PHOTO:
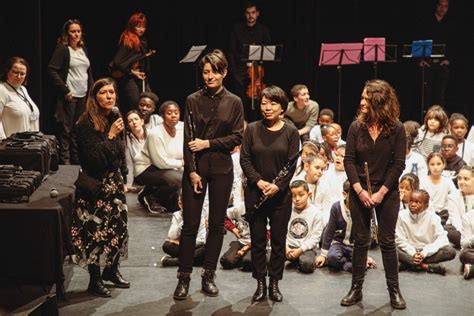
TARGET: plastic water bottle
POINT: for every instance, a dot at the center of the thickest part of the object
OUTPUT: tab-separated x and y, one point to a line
414	168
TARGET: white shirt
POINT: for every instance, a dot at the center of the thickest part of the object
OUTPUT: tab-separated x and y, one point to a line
18	112
422	231
467	231
415	159
466	152
439	192
77	75
305	228
161	150
330	191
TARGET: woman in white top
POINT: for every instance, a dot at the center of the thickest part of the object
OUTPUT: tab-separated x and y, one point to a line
134	142
71	76
18	112
159	166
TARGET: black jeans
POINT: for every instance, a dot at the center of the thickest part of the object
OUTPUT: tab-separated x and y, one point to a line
66	136
387	215
164	184
216	176
445	253
278	215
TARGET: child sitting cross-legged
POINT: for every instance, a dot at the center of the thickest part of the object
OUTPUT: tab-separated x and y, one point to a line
422	242
304	228
337	246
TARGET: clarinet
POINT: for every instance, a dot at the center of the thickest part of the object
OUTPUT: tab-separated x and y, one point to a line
281	174
374	225
192	135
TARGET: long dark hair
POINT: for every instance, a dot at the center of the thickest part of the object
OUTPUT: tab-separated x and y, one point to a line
94	111
383	106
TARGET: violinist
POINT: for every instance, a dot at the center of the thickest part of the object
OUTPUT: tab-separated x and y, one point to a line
302	111
249	32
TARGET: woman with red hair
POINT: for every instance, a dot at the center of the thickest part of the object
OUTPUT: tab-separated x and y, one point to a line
130	66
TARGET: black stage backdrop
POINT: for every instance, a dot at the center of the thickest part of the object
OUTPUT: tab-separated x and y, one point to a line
29	28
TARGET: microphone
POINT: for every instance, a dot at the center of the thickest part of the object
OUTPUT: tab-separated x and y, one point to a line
116	112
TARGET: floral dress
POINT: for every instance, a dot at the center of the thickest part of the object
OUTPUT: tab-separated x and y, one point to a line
99	225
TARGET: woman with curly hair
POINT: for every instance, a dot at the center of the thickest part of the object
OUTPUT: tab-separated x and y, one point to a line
131	65
99	226
378	138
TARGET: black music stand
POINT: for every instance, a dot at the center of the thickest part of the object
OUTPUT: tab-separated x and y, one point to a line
376	51
257	54
423	50
193	57
339	55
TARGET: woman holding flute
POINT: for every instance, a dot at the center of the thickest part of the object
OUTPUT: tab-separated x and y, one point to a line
377	138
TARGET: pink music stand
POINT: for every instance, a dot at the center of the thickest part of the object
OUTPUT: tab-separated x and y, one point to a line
338	55
374	49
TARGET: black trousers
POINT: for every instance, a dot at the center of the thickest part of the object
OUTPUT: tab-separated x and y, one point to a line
66	134
164	184
130	90
387	215
278	214
216	171
173	250
467	256
436	78
445	253
230	259
454	235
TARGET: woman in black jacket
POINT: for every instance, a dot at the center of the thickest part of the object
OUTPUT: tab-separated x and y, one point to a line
131	65
100	217
71	75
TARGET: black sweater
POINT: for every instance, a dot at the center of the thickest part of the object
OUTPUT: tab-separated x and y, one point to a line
385	156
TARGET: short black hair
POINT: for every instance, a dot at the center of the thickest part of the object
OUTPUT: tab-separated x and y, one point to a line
165	105
276	94
299	184
150	95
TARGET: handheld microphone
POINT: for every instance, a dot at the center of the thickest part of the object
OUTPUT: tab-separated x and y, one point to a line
117	115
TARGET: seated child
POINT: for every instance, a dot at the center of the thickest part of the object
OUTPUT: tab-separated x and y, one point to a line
422	242
304	228
171	244
466	188
313	169
337	246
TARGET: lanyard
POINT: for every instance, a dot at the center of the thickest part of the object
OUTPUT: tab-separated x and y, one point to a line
22	96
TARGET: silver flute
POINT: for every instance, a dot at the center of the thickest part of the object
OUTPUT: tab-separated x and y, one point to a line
374	225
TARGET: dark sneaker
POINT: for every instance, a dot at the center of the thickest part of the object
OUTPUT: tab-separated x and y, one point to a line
168	261
437	268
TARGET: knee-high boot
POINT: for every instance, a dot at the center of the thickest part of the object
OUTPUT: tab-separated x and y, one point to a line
359	261
390	264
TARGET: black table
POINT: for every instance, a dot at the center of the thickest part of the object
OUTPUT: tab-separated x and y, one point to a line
34	236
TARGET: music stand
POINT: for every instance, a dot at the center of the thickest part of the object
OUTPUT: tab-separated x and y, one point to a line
423	50
259	54
376	51
192	57
338	55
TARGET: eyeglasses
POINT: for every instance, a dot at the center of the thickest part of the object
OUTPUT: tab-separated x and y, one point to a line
18	73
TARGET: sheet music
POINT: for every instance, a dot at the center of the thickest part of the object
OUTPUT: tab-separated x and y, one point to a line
193	54
269	52
255	51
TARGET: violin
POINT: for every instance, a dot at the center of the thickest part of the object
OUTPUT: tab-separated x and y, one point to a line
256	85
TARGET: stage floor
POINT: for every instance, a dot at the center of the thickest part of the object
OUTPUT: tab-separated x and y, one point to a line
315	294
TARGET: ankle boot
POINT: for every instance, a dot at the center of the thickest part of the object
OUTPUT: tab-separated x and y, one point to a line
96	286
112	274
396	298
261	291
274	291
354	296
181	291
208	285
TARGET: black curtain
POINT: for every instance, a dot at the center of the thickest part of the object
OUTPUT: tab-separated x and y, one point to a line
29	28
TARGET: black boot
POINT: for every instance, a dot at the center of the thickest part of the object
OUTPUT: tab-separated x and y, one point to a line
274	291
208	286
396	298
96	286
261	291
112	274
354	296
181	291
